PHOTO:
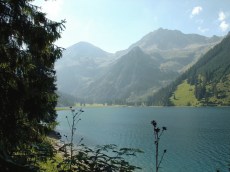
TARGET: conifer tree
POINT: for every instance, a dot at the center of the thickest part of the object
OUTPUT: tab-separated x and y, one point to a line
27	75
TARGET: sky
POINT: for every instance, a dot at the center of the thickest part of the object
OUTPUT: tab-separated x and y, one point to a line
114	25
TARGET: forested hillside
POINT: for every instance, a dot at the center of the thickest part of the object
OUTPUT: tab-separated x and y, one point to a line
208	81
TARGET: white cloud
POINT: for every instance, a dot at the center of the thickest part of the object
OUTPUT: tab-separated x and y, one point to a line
221	16
203	30
195	11
224	26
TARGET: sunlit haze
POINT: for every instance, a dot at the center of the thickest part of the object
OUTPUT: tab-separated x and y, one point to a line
114	25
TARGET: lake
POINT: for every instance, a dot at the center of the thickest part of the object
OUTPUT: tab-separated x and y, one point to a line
197	139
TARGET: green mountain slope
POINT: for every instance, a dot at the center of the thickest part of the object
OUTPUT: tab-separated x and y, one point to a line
131	76
208	81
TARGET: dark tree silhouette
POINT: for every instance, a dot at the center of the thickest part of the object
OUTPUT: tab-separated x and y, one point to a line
27	75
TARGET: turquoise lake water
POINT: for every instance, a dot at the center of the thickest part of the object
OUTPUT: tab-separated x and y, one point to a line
197	139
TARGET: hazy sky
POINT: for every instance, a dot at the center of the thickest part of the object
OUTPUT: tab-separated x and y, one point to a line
115	24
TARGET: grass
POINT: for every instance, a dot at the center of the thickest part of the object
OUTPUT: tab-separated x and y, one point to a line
51	164
39	155
184	95
61	108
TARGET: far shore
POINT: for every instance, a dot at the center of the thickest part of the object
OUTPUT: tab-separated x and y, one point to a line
107	106
89	106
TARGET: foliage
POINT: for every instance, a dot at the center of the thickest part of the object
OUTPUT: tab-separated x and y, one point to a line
86	159
75	119
50	165
34	153
101	158
105	158
27	75
28	157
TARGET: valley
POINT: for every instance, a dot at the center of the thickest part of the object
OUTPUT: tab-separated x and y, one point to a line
131	76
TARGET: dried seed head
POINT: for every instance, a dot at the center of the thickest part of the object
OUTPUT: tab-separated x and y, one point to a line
154	123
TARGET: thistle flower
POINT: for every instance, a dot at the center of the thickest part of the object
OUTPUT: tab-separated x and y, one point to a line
154	123
157	130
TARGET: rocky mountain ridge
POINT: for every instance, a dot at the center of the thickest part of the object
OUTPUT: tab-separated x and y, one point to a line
93	75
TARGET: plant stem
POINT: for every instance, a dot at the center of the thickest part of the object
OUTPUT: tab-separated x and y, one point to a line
157	152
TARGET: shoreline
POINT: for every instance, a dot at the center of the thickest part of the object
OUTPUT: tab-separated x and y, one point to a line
126	106
55	139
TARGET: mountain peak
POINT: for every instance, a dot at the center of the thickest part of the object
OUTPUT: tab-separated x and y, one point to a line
136	55
83	45
162	30
84	49
165	39
136	52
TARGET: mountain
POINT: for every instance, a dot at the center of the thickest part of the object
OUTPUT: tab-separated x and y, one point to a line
79	65
179	50
205	83
94	75
164	39
176	50
132	75
82	53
